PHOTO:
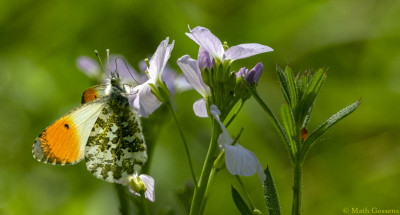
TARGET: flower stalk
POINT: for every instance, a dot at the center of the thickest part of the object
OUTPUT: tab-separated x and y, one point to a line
199	193
169	105
145	209
123	201
297	189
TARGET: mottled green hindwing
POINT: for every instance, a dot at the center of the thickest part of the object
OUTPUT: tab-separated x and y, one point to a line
116	147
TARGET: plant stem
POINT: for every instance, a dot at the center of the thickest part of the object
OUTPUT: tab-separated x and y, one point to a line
198	195
205	198
123	203
297	187
185	145
145	209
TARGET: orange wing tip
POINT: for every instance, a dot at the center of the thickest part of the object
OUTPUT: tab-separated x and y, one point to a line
56	146
89	95
39	155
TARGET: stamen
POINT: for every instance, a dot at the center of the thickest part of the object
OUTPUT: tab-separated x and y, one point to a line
148	66
226	47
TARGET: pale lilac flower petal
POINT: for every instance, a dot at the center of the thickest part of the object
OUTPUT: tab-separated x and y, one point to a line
149	181
204	38
246	50
160	58
223	138
143	100
240	161
190	69
215	112
89	66
204	59
260	173
200	108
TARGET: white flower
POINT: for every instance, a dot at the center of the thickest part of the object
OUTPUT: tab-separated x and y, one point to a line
238	160
204	38
140	183
142	98
191	70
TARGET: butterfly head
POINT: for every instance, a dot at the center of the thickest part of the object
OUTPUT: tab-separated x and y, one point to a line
114	79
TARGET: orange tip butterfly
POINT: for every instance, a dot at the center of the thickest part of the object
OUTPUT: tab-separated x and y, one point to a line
105	130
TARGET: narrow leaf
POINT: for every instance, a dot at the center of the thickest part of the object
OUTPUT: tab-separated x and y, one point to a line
284	83
292	87
309	96
326	125
240	203
271	197
287	121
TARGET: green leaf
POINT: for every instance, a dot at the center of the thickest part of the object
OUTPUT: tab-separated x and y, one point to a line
240	203
271	197
292	87
326	125
308	97
287	121
284	84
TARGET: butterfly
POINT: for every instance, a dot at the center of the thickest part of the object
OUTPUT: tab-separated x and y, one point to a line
105	130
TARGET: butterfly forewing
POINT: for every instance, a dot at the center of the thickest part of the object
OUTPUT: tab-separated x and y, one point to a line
64	141
93	93
116	147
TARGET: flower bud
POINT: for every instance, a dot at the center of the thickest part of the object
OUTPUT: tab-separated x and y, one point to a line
257	212
204	59
219	163
242	72
136	184
253	76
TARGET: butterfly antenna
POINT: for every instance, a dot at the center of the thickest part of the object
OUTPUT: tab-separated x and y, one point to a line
101	62
127	67
108	60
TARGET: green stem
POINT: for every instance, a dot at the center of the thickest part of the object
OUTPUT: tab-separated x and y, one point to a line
184	143
123	202
211	178
275	122
145	209
198	195
252	207
297	187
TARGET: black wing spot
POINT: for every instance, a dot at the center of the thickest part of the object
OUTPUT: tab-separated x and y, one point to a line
66	126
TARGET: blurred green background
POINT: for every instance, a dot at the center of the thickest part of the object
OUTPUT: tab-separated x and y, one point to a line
356	166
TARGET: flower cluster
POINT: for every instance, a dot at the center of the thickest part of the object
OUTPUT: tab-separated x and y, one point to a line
221	89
